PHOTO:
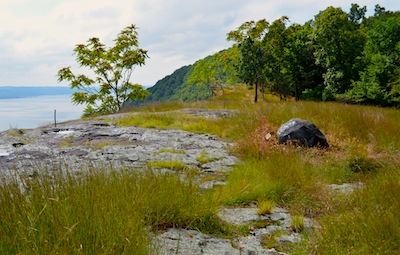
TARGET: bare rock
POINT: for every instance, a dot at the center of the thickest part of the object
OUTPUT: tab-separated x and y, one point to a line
81	144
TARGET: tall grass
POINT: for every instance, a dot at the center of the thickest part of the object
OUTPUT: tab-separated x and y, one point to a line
99	213
175	120
366	223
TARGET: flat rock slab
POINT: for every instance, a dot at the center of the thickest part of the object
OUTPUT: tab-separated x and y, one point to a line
180	241
98	143
191	242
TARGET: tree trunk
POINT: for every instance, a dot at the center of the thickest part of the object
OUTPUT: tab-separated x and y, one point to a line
263	91
256	93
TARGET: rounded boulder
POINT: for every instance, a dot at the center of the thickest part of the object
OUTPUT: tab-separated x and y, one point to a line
301	132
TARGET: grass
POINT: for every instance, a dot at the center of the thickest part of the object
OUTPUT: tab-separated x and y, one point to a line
205	158
99	213
109	212
173	165
15	132
297	224
265	207
173	151
368	220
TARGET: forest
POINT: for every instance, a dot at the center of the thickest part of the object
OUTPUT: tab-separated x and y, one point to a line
336	56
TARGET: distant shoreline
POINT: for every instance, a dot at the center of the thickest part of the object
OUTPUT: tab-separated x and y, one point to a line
11	92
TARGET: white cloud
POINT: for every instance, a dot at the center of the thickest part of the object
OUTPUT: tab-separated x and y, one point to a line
37	37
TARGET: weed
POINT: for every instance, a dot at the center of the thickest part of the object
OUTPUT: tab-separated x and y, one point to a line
265	207
66	142
271	240
173	165
363	165
297	224
174	151
15	132
263	223
204	159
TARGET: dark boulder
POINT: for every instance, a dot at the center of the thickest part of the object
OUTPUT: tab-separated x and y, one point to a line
301	132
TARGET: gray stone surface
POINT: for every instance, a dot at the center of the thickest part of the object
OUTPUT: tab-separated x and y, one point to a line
179	241
81	144
191	242
346	188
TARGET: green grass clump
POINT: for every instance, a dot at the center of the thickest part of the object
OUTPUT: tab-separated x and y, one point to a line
297	224
66	142
173	165
99	212
174	151
265	207
363	165
15	132
204	158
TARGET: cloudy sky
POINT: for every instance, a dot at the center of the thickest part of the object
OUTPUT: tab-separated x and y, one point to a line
37	36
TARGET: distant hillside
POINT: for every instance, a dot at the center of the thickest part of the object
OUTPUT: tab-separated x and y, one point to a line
184	85
24	92
174	87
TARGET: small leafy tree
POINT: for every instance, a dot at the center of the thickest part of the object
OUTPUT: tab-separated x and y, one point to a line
205	74
248	37
215	71
112	68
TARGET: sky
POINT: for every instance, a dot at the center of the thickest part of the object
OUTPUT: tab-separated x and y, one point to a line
37	37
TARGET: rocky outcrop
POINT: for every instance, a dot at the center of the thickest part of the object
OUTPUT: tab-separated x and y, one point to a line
79	144
274	228
301	132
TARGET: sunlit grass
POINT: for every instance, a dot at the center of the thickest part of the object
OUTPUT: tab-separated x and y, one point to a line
367	222
174	120
99	212
265	207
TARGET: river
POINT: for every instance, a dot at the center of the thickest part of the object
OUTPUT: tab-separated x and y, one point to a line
33	112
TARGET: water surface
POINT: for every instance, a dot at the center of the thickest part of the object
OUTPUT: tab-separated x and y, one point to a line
37	111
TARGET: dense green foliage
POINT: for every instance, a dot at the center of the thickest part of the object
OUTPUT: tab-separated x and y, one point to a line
335	56
111	87
195	82
215	71
174	87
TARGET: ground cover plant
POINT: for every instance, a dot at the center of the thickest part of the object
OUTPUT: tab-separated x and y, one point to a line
116	211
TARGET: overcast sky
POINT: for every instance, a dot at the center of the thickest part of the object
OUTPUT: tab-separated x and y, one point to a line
37	37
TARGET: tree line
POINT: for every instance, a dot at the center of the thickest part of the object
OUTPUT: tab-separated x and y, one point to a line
335	56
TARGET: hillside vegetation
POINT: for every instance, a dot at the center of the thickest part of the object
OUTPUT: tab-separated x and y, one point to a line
361	65
195	82
114	211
